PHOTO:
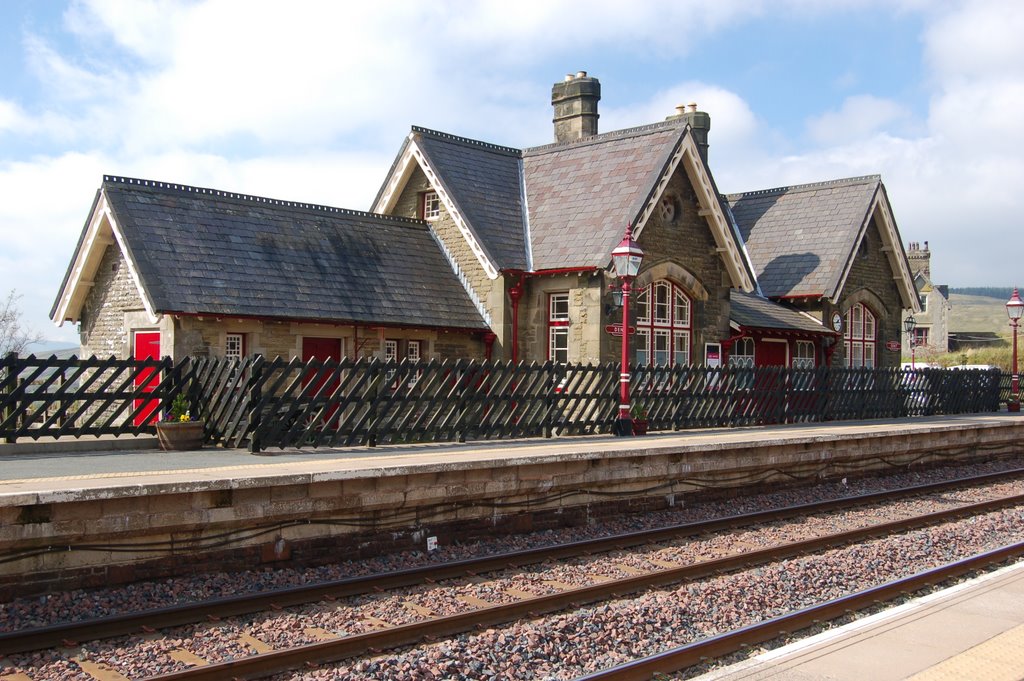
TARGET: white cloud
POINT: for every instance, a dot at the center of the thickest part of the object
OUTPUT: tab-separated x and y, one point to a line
976	39
859	117
158	74
12	118
310	102
43	204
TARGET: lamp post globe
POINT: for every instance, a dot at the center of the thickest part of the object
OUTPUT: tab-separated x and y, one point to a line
909	324
1014	309
626	259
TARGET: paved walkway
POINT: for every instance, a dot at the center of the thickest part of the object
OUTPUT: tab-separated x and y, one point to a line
971	632
46	467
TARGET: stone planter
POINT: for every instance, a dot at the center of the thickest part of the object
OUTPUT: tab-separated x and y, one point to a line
178	436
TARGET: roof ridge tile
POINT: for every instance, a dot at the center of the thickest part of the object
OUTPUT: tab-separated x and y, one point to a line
250	198
843	181
467	141
605	137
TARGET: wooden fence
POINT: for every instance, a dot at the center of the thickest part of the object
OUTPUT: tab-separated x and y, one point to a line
263	403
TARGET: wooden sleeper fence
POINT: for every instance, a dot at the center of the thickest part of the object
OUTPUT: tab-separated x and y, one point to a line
263	403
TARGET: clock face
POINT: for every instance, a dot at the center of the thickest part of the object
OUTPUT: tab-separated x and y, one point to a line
837	321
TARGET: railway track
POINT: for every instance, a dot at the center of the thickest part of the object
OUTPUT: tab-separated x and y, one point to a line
683	657
526	605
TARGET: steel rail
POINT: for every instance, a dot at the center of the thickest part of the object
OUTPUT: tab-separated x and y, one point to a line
38	638
296	657
677	659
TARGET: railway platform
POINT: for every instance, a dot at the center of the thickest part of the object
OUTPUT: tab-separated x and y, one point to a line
973	631
83	517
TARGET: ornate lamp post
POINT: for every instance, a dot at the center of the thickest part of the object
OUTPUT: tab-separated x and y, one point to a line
1014	309
626	258
909	324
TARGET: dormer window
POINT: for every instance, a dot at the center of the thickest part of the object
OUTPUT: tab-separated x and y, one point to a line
431	206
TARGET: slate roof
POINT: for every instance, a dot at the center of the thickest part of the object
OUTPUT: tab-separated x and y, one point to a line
580	195
485	182
203	251
752	311
800	238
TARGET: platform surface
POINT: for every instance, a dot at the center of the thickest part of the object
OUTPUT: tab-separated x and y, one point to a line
973	631
44	467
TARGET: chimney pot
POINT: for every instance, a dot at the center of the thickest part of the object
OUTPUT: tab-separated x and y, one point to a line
569	77
581	74
699	122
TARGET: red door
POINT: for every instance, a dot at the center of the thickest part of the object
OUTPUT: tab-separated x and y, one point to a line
321	349
147	346
772	353
768	391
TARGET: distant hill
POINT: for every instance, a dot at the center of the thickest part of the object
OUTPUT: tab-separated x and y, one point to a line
997	292
47	348
979	311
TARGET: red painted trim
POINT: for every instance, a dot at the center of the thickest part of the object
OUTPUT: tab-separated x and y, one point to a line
489	339
792	333
515	293
560	270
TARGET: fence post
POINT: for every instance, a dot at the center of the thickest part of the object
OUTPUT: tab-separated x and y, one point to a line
10	362
255	408
551	396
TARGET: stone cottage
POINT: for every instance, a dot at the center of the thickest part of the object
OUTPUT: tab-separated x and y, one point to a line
931	330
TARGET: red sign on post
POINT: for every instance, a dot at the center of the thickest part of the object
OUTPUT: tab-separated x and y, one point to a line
892	345
616	329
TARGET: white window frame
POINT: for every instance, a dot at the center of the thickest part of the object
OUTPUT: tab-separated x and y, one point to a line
234	345
805	355
860	336
742	354
558	327
431	205
668	323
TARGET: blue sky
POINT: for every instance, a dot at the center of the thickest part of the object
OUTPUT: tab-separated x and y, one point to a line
309	101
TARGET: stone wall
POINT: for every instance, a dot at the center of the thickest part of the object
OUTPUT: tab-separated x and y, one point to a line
677	236
586	323
103	329
198	336
157	528
871	282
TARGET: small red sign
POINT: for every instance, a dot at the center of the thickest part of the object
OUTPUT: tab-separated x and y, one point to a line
616	329
892	345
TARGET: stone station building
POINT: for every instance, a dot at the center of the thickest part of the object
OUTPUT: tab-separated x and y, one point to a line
477	250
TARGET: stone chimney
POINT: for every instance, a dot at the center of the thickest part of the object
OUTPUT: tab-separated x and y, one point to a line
700	126
920	259
575	101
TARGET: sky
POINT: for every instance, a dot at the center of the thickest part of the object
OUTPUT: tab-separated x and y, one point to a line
310	101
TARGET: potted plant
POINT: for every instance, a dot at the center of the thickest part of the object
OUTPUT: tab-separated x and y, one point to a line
177	431
639	420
